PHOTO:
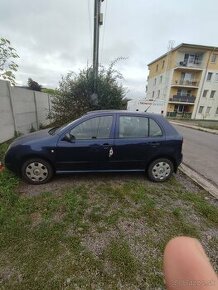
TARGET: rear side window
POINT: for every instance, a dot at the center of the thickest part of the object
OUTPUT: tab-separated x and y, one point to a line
133	127
155	130
95	128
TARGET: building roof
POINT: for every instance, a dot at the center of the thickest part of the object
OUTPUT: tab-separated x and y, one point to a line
185	45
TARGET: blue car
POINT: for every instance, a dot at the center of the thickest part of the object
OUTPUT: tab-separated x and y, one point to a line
99	141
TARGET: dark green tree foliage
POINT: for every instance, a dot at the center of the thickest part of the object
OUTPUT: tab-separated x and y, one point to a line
34	85
7	65
75	92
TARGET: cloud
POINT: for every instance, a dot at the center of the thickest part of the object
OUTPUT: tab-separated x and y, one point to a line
54	37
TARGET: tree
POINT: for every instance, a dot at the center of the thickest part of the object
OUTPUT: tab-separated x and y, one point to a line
7	65
34	85
50	91
75	94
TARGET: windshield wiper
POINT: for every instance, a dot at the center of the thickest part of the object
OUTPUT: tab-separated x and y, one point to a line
52	130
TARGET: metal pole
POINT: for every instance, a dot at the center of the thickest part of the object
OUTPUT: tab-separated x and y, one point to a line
97	23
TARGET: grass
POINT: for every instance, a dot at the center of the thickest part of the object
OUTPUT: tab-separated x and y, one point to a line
208	124
97	231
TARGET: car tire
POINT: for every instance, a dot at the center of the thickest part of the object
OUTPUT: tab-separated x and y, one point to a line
160	170
37	171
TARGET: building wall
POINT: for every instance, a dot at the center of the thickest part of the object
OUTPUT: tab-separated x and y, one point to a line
20	110
171	75
207	101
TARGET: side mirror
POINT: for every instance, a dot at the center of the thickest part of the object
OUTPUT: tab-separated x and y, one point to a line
68	137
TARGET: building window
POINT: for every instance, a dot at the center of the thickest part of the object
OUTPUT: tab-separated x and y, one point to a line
216	77
161	78
153	95
163	63
208	110
155	80
158	94
213	58
157	67
205	93
212	94
209	76
217	111
194	58
200	109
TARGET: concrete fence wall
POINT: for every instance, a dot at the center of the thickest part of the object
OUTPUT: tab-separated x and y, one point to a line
21	109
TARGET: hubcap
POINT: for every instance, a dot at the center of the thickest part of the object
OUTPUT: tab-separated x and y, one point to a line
36	171
161	170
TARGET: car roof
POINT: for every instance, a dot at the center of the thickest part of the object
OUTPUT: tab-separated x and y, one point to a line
158	117
122	112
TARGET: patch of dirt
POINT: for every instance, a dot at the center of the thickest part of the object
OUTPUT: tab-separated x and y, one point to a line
97	242
9	273
60	182
58	216
36	218
187	183
136	228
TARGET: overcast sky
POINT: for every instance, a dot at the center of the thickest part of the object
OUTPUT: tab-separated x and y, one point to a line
53	37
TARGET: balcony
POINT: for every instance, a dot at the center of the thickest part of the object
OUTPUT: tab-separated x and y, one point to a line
184	65
178	115
185	83
182	99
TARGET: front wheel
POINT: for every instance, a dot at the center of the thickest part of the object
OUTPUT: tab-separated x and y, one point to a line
36	171
160	170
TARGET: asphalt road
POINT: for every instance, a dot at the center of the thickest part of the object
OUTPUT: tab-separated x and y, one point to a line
200	152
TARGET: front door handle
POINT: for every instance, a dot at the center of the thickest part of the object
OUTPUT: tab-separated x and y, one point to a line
106	145
154	144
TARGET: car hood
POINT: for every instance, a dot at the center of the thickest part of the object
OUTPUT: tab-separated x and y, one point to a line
35	136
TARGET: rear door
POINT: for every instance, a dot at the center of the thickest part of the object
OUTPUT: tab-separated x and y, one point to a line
138	140
90	145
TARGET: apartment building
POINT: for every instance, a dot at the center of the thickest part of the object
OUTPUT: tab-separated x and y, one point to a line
186	77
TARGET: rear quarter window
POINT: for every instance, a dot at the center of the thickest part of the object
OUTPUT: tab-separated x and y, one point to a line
155	130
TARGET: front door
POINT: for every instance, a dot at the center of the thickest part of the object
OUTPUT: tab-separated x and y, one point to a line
89	146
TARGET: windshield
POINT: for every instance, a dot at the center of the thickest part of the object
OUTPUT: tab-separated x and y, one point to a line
56	130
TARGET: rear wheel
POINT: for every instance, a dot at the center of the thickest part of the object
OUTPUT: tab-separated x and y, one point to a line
160	170
37	171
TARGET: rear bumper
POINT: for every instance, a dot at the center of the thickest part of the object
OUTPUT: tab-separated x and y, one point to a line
178	161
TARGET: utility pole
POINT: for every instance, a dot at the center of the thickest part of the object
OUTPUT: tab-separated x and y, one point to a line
98	20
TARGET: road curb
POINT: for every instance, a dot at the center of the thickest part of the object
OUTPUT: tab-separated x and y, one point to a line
200	180
195	127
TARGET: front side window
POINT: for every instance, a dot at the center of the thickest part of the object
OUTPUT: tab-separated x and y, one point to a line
95	128
133	127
